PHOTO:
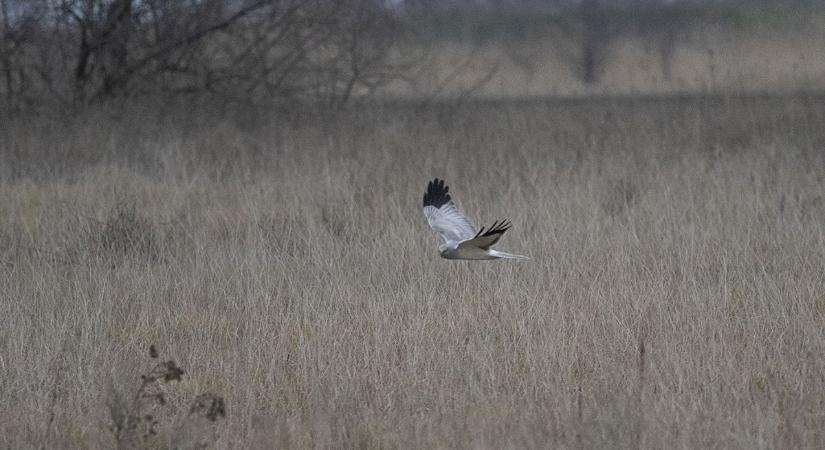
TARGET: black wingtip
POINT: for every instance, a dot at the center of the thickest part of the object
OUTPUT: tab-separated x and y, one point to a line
496	228
437	194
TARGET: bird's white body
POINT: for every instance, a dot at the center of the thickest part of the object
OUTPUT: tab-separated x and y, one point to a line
449	251
454	251
461	240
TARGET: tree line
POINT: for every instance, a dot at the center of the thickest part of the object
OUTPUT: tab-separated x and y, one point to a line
79	52
76	52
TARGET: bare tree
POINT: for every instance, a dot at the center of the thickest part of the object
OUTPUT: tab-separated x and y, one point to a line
81	51
594	39
597	24
583	33
17	29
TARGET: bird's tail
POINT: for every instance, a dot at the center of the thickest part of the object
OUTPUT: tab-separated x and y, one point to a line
499	254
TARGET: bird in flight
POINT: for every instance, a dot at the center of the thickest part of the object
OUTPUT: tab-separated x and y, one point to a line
461	239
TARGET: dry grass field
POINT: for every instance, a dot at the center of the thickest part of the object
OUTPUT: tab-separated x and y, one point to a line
675	297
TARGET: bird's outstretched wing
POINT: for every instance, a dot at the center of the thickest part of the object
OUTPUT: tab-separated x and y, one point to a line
443	216
485	239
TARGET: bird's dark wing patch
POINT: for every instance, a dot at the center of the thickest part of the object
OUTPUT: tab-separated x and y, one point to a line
497	228
437	194
485	239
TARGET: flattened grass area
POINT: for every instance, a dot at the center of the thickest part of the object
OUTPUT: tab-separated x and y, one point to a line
675	296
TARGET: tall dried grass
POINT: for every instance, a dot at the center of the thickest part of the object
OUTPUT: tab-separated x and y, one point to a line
675	296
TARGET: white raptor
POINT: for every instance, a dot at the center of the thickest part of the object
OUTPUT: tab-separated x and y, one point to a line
461	239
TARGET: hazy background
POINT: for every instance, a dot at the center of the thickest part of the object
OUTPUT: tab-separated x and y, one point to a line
72	52
211	232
